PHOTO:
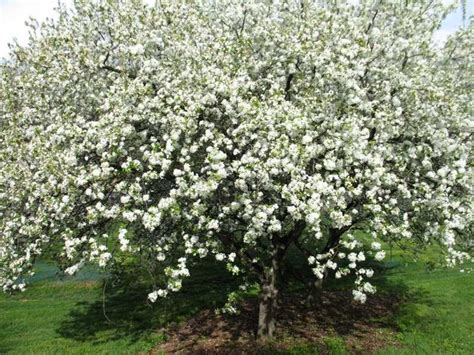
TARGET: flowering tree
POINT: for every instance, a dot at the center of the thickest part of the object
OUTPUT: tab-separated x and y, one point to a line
236	131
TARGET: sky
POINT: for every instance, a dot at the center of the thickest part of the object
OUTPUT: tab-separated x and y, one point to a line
14	13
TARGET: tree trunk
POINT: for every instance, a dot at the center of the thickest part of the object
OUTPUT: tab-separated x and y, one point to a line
268	302
315	289
269	282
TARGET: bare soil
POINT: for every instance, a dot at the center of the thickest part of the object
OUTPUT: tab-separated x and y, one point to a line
363	328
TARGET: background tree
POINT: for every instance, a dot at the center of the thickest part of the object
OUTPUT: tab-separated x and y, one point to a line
236	130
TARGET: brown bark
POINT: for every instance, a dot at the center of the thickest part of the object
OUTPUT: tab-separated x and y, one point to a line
269	282
315	288
268	302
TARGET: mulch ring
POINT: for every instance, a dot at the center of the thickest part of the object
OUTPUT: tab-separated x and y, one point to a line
363	328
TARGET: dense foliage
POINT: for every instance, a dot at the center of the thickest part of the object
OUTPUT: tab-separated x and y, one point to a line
236	130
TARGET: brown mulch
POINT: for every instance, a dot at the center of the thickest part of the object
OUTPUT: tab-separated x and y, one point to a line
364	328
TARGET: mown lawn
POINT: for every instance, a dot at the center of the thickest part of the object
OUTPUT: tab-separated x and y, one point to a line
58	315
66	316
438	316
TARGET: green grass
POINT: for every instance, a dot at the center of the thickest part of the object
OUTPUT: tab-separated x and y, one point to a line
66	316
438	315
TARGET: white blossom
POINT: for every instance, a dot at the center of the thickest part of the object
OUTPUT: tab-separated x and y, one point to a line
199	134
380	255
359	296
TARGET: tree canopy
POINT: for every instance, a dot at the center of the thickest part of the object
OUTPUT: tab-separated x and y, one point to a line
236	130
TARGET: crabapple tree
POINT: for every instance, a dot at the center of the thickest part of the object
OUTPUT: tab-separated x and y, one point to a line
236	130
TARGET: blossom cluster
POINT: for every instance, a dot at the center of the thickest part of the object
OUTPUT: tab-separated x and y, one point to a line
230	128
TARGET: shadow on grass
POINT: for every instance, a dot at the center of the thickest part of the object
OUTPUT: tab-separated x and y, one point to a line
190	324
124	312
